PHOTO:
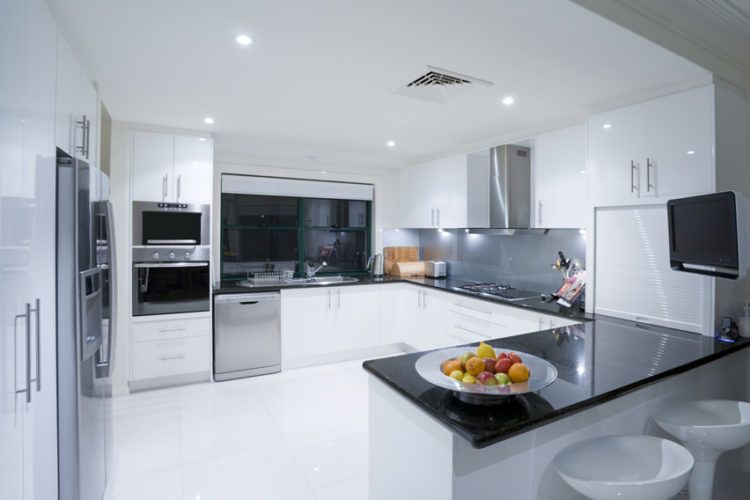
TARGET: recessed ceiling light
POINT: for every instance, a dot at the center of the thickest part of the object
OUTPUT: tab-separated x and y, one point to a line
691	152
390	144
243	40
323	172
202	139
607	126
208	120
508	100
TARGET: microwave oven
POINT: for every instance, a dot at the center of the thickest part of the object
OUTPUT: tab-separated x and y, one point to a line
709	234
170	224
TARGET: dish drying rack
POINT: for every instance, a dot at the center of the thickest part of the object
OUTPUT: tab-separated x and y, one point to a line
266	277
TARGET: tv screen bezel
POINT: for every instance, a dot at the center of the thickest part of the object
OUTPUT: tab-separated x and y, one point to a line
726	261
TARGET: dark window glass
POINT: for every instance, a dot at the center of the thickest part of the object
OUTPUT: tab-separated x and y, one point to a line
170	290
334	213
260	211
342	250
252	250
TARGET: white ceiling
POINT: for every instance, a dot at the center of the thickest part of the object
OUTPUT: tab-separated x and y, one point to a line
320	72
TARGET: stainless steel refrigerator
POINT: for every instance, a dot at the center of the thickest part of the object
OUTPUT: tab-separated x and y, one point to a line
86	301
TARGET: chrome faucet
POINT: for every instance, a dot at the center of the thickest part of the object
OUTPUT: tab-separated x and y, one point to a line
311	271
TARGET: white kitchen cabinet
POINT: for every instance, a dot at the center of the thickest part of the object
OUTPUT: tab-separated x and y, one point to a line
307	322
560	180
425	317
653	150
153	159
172	168
28	420
449	192
76	130
193	169
391	299
357	317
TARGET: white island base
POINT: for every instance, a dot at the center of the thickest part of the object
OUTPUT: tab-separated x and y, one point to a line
414	456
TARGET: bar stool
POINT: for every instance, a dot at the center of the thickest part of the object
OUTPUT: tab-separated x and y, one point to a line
707	428
625	467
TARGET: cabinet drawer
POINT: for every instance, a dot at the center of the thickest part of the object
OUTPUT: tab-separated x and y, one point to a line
162	358
171	329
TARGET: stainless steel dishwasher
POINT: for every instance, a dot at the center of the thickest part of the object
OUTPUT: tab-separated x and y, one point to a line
247	335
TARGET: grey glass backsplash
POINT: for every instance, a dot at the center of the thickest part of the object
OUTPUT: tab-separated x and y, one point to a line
521	260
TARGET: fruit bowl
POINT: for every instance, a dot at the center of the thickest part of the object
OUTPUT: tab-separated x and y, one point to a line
430	367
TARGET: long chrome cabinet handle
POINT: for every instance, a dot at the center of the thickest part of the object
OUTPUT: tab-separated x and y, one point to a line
338	294
540	212
649	186
179	186
28	352
15	371
37	315
632	177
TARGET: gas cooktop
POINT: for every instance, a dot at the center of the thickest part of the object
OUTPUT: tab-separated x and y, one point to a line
500	291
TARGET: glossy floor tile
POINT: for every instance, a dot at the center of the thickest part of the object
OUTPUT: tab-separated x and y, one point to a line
298	434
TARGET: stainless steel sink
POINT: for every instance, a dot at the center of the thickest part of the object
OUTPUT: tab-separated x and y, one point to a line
323	280
314	281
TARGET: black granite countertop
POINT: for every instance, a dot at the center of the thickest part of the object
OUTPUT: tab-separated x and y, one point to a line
596	361
444	284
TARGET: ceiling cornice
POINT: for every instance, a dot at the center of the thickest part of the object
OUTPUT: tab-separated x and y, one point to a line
727	11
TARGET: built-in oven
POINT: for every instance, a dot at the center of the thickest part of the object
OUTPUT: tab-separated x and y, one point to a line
171	280
170	224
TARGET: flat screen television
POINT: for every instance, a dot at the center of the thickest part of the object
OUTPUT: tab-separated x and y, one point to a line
708	234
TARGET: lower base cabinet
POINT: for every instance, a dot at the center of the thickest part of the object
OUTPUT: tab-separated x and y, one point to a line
170	348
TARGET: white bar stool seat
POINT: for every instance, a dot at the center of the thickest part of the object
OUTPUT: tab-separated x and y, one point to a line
707	428
625	467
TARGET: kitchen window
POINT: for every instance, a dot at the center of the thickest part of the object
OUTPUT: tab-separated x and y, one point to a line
262	233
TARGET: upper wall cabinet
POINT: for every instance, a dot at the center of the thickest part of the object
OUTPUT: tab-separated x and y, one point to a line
76	106
560	181
172	168
653	150
450	192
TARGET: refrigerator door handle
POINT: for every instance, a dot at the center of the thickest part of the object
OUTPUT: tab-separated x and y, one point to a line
37	317
104	363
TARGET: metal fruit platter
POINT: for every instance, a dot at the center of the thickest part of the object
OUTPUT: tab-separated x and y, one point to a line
542	374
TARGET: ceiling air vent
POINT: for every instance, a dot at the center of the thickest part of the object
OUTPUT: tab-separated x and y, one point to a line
437	85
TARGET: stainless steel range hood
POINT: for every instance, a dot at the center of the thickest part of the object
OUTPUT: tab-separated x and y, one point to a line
510	187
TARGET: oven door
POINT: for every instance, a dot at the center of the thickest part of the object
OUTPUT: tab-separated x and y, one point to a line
170	287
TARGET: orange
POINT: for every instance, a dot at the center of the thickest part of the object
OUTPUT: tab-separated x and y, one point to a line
519	372
475	366
451	366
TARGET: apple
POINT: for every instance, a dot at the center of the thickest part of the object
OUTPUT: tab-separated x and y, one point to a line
503	365
502	378
502	355
489	365
515	357
486	378
465	357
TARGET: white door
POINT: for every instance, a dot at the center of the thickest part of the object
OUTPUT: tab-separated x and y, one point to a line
16	217
66	107
435	307
39	158
391	304
412	316
153	158
357	317
307	322
560	180
193	169
679	144
615	156
416	209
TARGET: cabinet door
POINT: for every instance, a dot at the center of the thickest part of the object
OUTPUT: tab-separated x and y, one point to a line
435	309
560	181
390	305
193	170
451	190
307	322
412	314
357	317
615	156
417	184
66	108
679	144
153	156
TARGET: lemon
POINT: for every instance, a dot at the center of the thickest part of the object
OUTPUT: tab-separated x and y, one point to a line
485	351
469	379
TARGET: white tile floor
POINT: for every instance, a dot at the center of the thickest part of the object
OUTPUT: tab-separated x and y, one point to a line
298	434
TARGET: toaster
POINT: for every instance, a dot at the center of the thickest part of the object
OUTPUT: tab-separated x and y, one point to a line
435	269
